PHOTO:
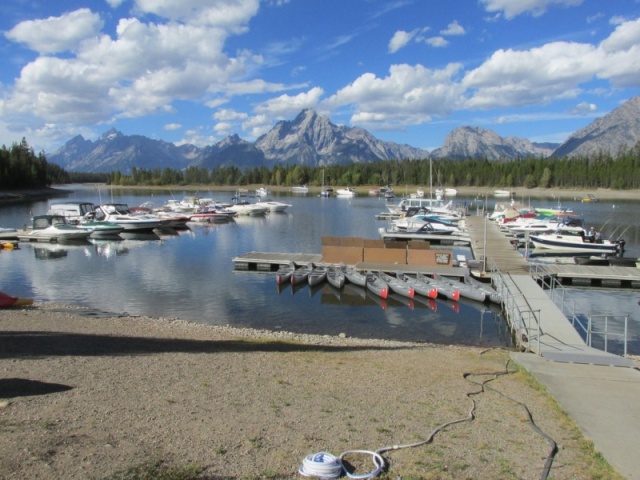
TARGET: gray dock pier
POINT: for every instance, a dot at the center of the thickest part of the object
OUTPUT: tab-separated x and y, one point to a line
597	389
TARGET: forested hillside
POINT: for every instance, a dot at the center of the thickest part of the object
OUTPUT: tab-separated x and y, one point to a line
603	171
21	168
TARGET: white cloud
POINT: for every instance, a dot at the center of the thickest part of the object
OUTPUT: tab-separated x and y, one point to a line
57	34
223	128
286	105
115	3
513	8
143	69
172	126
437	41
231	15
408	95
583	108
454	28
539	75
258	125
229	115
400	39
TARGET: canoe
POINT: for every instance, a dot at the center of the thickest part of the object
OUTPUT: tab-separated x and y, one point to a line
445	289
355	277
317	275
376	285
335	276
467	291
283	275
7	301
420	287
492	294
301	274
397	285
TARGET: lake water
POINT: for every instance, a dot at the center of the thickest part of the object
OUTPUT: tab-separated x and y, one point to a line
190	274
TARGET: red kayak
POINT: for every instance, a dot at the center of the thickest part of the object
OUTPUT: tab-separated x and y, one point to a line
7	301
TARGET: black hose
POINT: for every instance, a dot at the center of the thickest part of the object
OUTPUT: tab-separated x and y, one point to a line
554	446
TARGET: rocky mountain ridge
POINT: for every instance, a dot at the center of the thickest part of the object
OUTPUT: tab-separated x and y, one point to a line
313	140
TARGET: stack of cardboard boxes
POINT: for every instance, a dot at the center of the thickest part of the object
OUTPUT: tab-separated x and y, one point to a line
353	250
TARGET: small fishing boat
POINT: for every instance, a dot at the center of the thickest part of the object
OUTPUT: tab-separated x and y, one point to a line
300	275
355	277
317	275
571	239
53	228
283	275
466	290
376	285
501	193
346	192
420	287
7	301
492	294
445	289
335	276
398	285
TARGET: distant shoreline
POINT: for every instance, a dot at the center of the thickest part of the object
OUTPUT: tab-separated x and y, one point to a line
519	193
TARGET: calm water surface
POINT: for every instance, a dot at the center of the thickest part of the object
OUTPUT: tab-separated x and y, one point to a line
190	274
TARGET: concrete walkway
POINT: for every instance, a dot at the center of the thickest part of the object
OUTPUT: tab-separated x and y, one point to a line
604	401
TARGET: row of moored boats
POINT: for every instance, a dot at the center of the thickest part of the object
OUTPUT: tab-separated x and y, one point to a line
78	220
382	284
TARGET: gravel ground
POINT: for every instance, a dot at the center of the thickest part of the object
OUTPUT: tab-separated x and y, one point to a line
84	397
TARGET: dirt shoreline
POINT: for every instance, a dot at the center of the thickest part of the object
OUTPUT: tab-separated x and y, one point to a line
85	397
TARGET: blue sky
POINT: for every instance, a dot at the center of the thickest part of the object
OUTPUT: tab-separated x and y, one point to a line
409	71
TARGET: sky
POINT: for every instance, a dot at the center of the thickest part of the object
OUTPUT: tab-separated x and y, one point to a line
408	71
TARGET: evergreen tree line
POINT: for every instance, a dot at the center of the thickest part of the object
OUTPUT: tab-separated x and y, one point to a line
601	171
21	168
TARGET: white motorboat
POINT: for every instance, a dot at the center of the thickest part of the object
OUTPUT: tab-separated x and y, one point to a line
346	192
82	214
120	214
274	206
414	225
53	228
572	239
248	208
450	192
263	192
501	193
300	189
427	204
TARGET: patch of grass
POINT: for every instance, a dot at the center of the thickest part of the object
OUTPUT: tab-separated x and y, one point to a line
47	424
159	471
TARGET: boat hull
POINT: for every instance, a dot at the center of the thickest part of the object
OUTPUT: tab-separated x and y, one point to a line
552	243
377	286
336	277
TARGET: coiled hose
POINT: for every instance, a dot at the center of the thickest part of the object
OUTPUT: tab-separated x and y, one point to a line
326	466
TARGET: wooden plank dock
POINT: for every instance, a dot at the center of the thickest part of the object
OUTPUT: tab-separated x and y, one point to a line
488	242
595	276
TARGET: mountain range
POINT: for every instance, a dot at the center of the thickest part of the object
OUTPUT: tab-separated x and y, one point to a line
311	139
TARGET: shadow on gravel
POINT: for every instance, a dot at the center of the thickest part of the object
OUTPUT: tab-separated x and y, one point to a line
22	387
41	344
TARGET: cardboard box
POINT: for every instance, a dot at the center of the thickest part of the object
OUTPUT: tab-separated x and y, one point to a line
419	245
340	254
352	242
385	255
332	241
369	243
441	258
